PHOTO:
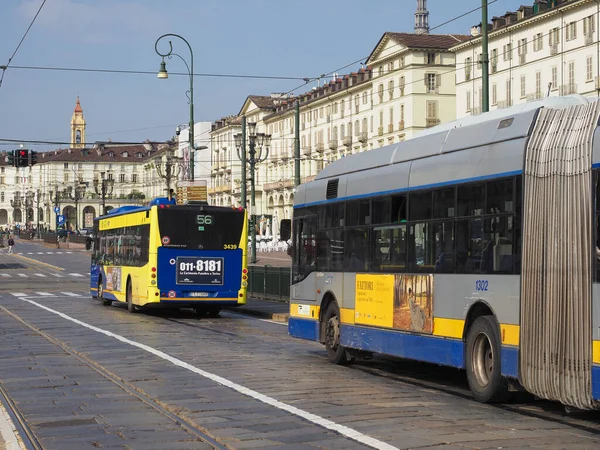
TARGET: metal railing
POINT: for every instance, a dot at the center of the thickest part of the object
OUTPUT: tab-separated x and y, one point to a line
270	283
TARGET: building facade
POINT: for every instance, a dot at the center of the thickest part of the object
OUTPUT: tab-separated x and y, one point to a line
549	48
70	181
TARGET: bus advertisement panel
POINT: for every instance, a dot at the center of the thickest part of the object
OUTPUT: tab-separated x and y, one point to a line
190	256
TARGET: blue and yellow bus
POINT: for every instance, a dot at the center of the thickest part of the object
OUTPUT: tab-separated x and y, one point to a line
168	255
473	245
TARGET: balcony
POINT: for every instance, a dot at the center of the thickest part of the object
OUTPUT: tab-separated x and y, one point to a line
320	147
390	128
347	141
568	89
589	39
494	67
281	184
401	125
431	122
333	144
220	189
363	137
553	49
380	131
306	150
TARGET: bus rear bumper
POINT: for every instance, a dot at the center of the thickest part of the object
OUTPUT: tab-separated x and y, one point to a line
303	328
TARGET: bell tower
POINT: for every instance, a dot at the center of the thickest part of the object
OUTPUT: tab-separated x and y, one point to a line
77	127
422	18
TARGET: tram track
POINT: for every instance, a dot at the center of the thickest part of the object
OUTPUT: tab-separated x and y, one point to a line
29	438
420	375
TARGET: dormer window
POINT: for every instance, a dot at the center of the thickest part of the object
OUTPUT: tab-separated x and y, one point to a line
139	155
111	154
125	154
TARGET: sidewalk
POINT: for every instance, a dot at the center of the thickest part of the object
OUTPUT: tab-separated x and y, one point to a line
265	309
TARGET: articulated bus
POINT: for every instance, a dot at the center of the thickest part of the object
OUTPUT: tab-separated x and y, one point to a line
167	255
472	245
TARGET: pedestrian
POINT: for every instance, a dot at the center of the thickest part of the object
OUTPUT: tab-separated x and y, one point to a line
11	243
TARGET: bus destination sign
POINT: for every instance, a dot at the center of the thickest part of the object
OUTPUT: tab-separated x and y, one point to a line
200	270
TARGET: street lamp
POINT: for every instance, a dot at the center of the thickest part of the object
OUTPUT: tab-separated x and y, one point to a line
76	195
260	140
104	188
168	170
163	74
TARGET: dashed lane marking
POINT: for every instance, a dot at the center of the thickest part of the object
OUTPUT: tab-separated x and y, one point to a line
5	275
22	275
75	274
41	275
57	275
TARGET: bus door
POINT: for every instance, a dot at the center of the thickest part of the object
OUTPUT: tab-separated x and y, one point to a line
304	258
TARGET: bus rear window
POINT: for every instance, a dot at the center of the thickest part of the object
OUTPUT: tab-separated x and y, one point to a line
200	230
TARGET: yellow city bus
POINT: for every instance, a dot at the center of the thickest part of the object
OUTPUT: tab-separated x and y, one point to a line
167	255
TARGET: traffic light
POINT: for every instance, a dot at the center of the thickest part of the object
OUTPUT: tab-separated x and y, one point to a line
10	158
22	158
33	157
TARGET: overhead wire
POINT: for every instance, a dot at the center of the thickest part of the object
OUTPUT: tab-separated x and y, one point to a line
20	42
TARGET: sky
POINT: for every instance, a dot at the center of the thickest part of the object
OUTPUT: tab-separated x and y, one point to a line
238	47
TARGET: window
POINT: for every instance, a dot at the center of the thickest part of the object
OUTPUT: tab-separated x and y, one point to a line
66	165
124	154
126	246
134	178
523	86
554	37
494	94
304	244
432	109
122	178
588	69
431	59
589	26
507	52
432	82
554	81
538	42
571	75
420	204
380	93
365	98
523	46
571	31
468	69
470	199
443	203
66	177
392	116
356	251
402	84
508	92
468	101
391	89
389	249
538	84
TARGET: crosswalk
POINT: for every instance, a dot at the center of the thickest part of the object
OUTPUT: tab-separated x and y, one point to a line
44	253
43	275
49	294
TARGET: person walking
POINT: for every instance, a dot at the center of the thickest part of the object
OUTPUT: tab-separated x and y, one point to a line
11	244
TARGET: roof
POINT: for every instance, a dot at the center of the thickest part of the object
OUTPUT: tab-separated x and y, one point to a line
261	101
429	41
78	107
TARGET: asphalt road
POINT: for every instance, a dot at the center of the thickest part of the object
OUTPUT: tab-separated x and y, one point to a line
86	376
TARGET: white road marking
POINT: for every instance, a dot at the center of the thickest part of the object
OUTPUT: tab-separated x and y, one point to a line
30	253
70	294
49	253
68	253
75	274
40	253
22	275
41	275
45	294
57	275
6	275
59	253
310	417
19	294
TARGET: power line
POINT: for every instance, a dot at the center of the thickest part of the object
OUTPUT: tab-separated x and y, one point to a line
147	72
22	39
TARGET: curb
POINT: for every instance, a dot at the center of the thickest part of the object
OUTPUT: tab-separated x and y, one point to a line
276	317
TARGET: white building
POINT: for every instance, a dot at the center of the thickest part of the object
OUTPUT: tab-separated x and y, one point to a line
550	48
407	85
202	154
71	180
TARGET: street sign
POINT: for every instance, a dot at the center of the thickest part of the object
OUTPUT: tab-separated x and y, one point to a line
60	219
56	210
191	190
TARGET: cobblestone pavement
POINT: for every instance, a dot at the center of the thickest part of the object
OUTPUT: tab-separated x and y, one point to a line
82	380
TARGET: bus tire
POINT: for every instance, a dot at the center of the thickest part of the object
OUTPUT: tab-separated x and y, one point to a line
104	301
483	361
129	297
336	353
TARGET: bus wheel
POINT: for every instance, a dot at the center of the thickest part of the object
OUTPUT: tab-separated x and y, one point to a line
483	361
104	301
130	306
335	352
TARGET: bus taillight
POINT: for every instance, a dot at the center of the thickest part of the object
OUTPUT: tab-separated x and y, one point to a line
154	269
245	271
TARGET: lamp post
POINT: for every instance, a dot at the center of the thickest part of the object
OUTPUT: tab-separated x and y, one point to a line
167	169
260	140
163	74
15	203
38	195
56	205
104	187
76	193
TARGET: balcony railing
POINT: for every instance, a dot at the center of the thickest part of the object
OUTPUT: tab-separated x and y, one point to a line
347	141
401	125
568	89
390	127
333	144
320	147
220	189
431	122
380	131
363	137
306	150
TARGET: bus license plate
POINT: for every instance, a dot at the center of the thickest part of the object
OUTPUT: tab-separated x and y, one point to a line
200	270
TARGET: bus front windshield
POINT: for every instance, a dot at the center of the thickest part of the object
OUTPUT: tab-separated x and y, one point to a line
196	229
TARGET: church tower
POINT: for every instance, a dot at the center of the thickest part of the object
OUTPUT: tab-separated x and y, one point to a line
77	127
422	18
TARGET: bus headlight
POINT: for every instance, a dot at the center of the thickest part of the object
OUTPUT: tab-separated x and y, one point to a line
244	284
153	282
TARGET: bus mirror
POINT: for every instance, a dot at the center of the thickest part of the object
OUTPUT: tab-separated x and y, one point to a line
285	229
